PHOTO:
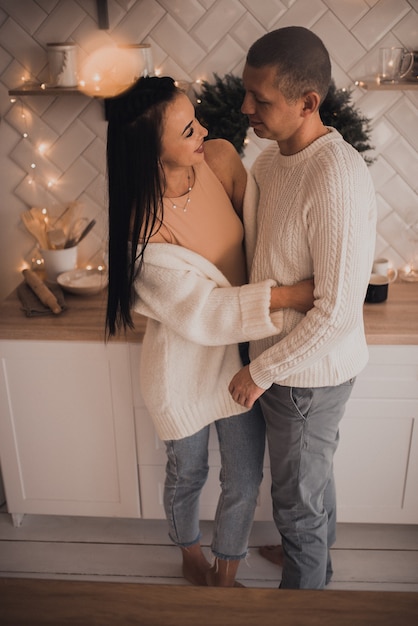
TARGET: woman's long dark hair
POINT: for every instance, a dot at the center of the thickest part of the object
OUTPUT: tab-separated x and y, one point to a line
136	187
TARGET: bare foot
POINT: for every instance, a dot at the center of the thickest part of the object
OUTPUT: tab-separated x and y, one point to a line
274	554
195	566
213	581
195	575
222	574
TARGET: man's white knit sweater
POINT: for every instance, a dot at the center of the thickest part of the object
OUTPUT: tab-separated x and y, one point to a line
316	217
190	352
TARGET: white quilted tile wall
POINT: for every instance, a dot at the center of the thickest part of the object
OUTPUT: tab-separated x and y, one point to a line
190	40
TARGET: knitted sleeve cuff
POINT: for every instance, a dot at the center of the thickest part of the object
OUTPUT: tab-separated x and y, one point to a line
261	378
255	307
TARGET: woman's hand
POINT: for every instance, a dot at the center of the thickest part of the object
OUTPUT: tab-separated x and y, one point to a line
299	296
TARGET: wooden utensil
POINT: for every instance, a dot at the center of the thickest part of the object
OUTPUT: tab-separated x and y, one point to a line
68	218
56	239
74	241
35	227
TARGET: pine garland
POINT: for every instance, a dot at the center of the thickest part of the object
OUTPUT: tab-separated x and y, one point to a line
337	111
218	108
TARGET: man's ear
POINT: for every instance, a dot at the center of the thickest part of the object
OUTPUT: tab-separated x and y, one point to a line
311	103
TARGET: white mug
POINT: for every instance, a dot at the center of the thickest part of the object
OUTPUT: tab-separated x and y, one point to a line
62	64
382	267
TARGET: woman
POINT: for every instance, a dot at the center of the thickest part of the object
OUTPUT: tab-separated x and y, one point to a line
176	256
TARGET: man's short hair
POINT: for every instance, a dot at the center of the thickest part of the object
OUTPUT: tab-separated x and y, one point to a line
301	60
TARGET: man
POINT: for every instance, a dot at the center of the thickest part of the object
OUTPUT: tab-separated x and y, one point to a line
316	217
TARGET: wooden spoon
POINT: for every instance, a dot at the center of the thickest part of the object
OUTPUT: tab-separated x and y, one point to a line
35	228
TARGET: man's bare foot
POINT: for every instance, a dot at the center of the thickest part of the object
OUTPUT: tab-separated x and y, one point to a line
274	554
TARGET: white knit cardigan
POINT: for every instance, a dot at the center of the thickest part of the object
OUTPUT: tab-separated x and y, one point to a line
195	321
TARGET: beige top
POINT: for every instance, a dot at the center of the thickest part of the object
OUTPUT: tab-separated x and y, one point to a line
209	225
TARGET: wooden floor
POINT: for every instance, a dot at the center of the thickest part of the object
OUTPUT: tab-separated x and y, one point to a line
34	602
366	557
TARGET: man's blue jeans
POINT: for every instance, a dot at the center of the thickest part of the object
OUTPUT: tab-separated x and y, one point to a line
302	434
241	445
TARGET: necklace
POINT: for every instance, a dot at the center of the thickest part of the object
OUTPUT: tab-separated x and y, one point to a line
186	204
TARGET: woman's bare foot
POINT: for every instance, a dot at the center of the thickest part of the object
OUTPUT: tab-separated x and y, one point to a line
222	574
274	554
195	565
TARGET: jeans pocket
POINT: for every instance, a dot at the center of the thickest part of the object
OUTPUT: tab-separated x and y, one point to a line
302	398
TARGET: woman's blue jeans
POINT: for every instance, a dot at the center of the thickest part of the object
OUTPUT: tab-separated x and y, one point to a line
241	445
302	433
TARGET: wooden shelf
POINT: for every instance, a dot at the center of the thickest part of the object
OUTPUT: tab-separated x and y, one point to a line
39	90
373	84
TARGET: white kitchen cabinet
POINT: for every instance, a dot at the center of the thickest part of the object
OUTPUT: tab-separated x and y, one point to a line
376	464
67	436
75	434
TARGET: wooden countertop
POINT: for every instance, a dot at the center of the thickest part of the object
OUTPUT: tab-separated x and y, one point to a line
82	320
394	322
43	602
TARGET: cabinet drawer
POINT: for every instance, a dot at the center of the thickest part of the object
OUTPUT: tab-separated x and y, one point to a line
392	372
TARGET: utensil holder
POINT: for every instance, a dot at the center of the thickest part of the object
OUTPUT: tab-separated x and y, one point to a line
58	261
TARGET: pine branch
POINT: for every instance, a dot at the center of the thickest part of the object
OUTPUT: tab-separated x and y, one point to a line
338	112
219	110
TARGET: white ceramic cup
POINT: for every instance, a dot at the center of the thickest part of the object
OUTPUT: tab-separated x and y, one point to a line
58	261
62	61
382	267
